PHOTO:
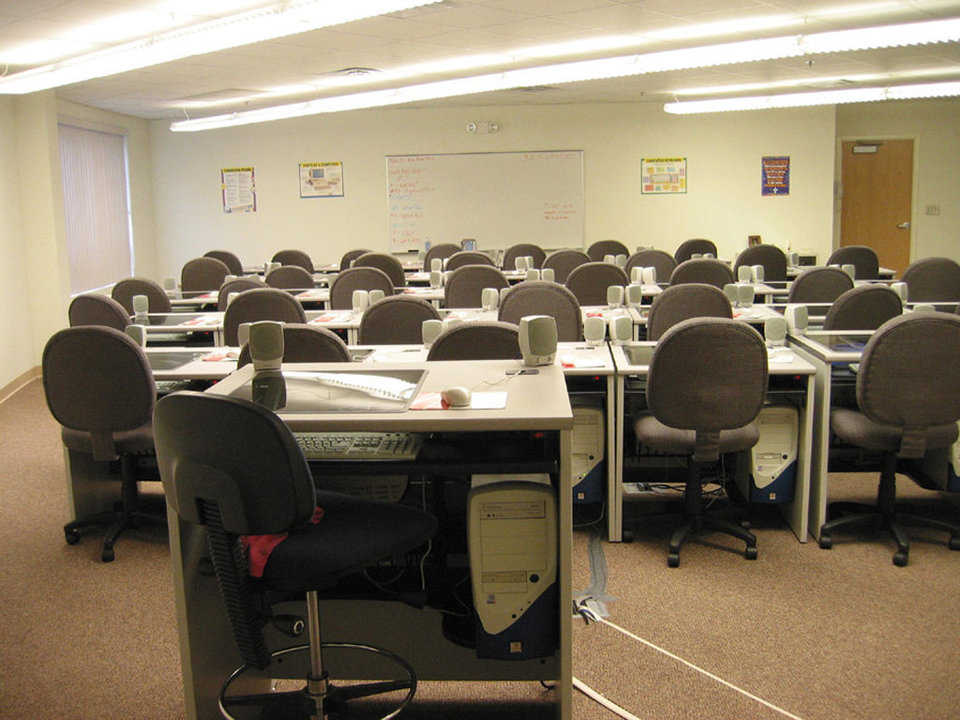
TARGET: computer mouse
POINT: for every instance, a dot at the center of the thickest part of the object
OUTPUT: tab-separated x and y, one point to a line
456	396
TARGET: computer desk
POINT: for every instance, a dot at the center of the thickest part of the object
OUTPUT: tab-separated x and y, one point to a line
534	403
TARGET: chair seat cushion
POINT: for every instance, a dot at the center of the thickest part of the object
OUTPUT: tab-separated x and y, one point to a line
138	441
352	534
855	428
664	438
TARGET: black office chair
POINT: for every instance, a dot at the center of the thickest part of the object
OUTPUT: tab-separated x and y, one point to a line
249	282
600	249
819	285
357	278
933	279
772	258
99	387
477	341
589	282
662	261
563	261
388	263
686	250
908	393
541	297
350	255
464	286
233	467
468	257
227	258
702	270
863	308
706	386
97	309
203	273
682	302
509	260
289	277
293	257
305	343
396	320
862	257
260	304
124	291
439	252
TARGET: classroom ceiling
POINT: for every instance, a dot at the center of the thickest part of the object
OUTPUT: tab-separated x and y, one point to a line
248	77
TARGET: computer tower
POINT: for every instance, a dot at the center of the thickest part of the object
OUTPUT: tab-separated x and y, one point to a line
588	464
773	460
512	540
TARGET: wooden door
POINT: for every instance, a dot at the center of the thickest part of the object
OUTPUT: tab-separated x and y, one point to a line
876	202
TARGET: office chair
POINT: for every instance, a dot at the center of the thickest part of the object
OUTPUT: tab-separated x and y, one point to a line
600	249
863	258
563	261
99	387
682	302
477	341
124	291
706	386
819	285
702	270
203	274
863	308
687	248
97	309
260	304
248	282
589	282
464	286
388	263
396	320
227	258
468	257
932	279
294	257
509	261
289	277
908	393
357	278
305	343
441	251
662	261
234	468
772	258
350	255
541	297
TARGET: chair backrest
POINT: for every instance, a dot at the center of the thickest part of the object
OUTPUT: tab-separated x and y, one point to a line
708	375
350	255
441	251
305	343
477	341
357	278
289	277
659	259
598	250
203	273
772	258
468	257
541	297
464	286
97	380
702	270
388	263
293	257
227	258
909	376
396	320
97	309
124	291
687	248
863	258
589	282
682	302
563	261
511	254
931	279
260	304
249	282
863	308
819	285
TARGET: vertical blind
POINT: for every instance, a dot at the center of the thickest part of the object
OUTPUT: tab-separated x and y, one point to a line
95	207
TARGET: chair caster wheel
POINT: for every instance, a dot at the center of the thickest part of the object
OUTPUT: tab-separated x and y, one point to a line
627	536
72	536
673	559
750	553
954	543
900	558
107	555
826	542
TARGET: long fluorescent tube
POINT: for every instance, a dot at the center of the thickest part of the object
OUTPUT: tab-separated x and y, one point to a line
826	97
265	23
705	56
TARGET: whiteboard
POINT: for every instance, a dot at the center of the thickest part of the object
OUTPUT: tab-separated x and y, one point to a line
498	199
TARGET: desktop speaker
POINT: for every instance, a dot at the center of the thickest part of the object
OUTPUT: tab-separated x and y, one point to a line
614	296
649	276
538	339
489	297
610	259
636	274
775	331
621	329
141	305
429	330
797	318
733	295
756	274
850	269
900	288
170	287
266	345
376	296
548	274
634	294
793	259
138	333
594	330
533	274
744	274
745	295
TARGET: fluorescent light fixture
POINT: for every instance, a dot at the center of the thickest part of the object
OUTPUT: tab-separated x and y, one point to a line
827	97
263	23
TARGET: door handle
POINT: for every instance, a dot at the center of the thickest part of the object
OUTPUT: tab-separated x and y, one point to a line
904	225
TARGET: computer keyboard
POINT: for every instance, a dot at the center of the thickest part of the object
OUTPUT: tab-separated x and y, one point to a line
359	445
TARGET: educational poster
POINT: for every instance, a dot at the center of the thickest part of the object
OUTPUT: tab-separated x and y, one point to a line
775	175
663	176
238	190
321	179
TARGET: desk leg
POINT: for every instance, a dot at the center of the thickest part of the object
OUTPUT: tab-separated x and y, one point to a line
565	574
797	512
615	482
820	445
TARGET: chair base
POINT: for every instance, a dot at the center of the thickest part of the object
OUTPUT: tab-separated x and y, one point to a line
116	522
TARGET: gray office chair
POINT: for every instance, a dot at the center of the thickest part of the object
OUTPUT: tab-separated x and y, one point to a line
464	286
124	291
289	277
350	255
388	263
357	278
396	320
293	257
468	257
510	255
260	304
908	393
819	285
600	249
96	309
249	282
589	282
702	270
227	258
99	387
563	261
932	279
772	258
441	251
706	386
305	343
863	258
540	297
662	261
683	302
863	308
477	341
203	274
254	482
687	248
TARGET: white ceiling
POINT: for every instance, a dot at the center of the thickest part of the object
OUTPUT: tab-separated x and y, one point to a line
450	29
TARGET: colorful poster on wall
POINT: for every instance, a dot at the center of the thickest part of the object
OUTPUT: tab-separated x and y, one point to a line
238	190
321	179
775	175
663	176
